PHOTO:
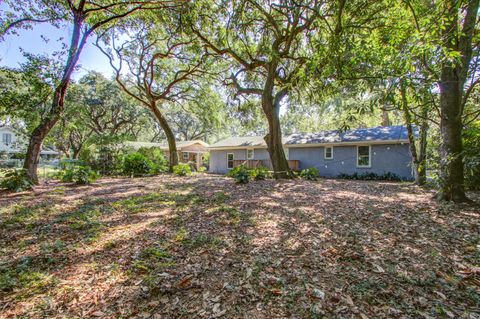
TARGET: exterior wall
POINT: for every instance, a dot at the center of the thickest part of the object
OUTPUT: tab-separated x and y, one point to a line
394	158
218	158
15	146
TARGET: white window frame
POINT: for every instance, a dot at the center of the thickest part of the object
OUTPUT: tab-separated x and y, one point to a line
233	158
253	154
369	156
187	156
325	152
4	138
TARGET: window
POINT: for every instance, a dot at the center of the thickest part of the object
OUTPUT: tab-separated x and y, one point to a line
328	152
230	160
287	153
185	156
7	138
363	156
250	154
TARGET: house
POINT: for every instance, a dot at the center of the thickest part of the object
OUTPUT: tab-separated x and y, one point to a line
188	151
376	150
14	145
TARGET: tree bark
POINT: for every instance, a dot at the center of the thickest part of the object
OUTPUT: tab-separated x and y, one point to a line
451	163
454	73
410	133
35	144
385	117
271	108
172	144
41	131
76	152
422	154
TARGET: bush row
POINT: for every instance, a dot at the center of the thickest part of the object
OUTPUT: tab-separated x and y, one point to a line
371	176
242	175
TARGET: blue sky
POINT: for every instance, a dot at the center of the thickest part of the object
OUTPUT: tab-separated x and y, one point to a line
31	41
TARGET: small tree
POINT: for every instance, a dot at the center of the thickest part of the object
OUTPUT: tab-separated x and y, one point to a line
85	18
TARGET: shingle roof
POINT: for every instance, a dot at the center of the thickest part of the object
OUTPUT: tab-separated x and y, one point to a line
380	133
164	145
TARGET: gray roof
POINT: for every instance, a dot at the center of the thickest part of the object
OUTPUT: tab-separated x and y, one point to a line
164	145
377	134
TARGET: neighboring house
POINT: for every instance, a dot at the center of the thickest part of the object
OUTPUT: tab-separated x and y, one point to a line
188	151
378	150
13	144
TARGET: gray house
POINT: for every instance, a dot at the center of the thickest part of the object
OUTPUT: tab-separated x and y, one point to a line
377	150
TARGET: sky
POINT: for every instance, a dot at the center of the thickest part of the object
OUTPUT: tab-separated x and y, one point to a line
31	41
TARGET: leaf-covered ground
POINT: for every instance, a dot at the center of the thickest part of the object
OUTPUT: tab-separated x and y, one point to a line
204	247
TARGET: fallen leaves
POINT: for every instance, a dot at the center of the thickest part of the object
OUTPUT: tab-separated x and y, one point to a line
203	247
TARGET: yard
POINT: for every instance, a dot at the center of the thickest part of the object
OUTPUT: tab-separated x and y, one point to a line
204	247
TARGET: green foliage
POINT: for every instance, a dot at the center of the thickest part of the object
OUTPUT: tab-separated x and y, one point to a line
15	180
157	157
240	173
182	169
80	175
471	143
369	176
259	173
136	164
310	173
202	169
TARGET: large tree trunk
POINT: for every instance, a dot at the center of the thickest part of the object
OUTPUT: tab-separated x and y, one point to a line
452	80
45	126
271	108
172	145
275	147
35	147
41	131
451	163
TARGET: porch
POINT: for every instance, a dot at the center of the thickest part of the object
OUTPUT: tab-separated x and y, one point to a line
292	164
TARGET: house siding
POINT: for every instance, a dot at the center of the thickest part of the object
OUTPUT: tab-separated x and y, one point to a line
393	158
16	143
218	158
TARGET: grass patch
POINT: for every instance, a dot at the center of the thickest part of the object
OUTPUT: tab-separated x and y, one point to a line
22	215
203	241
151	201
25	278
86	219
220	197
231	215
150	263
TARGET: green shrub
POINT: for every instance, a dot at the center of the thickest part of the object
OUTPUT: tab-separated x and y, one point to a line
182	169
136	164
369	176
15	180
157	157
310	174
106	159
259	173
202	169
80	175
240	173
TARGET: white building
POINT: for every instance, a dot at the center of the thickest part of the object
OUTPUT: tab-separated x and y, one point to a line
12	143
